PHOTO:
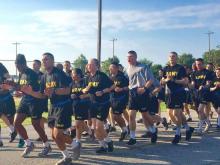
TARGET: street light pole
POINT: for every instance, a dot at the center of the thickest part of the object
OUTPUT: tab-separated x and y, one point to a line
99	37
16	52
113	47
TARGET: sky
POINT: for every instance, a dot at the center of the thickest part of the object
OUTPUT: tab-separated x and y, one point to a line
68	28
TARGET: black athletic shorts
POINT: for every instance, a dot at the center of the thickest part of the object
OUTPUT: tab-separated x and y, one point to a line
44	104
81	109
99	111
188	96
204	96
60	116
138	102
215	99
7	106
161	94
119	104
153	105
32	109
174	100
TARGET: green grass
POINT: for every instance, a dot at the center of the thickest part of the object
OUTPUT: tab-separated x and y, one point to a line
45	114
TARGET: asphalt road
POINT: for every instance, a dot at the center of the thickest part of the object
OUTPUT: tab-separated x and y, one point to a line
201	150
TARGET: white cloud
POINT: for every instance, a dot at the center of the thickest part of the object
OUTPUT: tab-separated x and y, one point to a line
85	22
68	26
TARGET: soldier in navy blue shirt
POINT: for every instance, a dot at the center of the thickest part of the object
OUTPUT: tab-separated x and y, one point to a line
7	105
119	97
175	79
67	70
99	86
29	106
201	81
215	92
81	105
55	85
44	102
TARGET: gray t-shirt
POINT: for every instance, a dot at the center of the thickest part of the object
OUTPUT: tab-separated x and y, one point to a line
139	75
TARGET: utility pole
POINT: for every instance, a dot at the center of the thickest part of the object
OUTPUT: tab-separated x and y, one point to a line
99	36
16	52
209	38
113	47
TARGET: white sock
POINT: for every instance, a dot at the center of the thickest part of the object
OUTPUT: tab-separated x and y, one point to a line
103	143
207	117
74	143
65	132
201	122
219	120
147	129
89	131
178	131
65	153
46	144
92	127
0	134
152	129
207	121
20	136
107	139
78	140
108	122
11	128
27	142
106	126
186	126
124	129
132	134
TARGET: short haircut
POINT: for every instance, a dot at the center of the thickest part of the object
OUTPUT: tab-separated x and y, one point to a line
115	63
67	61
59	66
132	52
78	72
38	62
96	61
174	53
200	60
50	55
20	59
218	68
161	69
120	65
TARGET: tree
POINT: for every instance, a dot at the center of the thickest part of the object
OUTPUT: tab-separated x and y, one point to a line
105	64
213	57
80	62
186	59
155	68
146	61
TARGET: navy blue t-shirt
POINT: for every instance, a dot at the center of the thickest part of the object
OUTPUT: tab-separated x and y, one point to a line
55	79
99	82
29	77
